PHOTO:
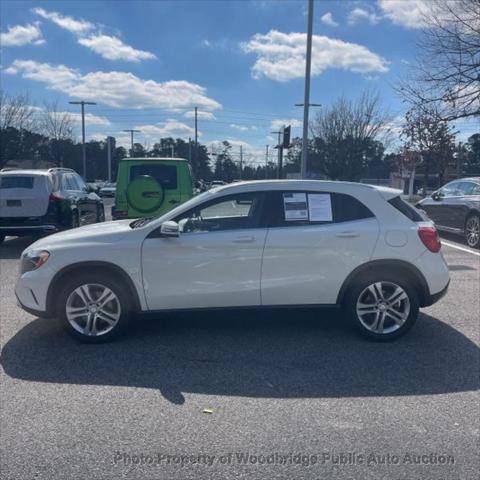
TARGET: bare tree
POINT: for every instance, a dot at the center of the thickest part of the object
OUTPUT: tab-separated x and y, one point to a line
55	124
347	133
448	67
429	141
16	112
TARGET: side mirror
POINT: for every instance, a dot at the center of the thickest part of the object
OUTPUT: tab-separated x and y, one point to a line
437	196
169	229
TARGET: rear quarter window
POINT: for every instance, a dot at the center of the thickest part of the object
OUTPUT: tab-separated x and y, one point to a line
408	210
16	182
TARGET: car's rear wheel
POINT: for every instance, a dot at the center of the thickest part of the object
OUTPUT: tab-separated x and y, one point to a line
472	231
383	306
93	307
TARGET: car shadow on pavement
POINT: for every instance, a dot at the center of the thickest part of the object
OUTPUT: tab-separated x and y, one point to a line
12	247
272	354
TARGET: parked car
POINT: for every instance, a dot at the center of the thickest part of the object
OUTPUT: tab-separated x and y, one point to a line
151	186
455	208
108	190
35	202
250	244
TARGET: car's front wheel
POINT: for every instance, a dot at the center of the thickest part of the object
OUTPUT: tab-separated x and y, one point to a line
472	231
382	307
93	307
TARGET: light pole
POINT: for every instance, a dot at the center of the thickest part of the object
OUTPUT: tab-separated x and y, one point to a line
84	152
306	103
131	131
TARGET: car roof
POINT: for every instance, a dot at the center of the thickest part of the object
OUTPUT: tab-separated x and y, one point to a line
33	171
154	159
319	185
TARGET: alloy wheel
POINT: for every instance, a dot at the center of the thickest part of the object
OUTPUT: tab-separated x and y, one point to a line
472	231
93	309
383	307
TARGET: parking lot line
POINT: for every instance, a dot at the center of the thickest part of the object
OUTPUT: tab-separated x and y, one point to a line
463	249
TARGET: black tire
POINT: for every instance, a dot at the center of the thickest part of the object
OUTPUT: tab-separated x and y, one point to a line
472	231
75	222
359	292
93	278
100	214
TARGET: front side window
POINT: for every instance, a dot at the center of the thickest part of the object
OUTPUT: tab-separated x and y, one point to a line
227	213
451	190
476	189
313	208
165	175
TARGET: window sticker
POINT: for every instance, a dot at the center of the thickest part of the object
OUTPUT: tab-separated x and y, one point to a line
295	206
320	207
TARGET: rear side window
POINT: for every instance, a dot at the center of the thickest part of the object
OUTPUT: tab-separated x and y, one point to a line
287	209
165	175
16	182
406	209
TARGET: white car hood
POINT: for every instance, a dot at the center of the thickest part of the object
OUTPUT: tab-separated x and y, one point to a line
106	232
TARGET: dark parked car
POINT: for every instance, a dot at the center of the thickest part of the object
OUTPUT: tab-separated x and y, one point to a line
34	202
455	208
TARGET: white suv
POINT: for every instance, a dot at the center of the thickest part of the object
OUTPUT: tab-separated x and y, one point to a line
250	244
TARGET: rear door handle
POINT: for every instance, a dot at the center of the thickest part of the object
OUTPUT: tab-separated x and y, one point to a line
244	239
347	234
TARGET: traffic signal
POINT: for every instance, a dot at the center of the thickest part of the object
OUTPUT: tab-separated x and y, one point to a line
286	136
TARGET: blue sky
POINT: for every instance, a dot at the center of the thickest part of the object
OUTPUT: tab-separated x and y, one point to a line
148	63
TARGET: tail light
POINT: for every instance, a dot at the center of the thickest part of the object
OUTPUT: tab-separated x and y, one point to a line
54	198
429	237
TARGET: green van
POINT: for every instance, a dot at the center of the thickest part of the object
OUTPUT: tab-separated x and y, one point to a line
150	187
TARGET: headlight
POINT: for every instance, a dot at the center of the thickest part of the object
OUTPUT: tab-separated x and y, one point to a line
33	260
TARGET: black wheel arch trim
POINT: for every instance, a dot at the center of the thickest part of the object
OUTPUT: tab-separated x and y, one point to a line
85	266
424	293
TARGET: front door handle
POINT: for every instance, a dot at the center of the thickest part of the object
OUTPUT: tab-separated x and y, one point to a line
243	239
173	202
347	234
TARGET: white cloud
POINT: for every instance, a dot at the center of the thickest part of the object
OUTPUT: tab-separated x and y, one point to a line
201	115
109	47
116	89
91	119
152	133
281	56
21	35
327	19
112	48
359	14
243	128
78	27
408	13
169	128
284	122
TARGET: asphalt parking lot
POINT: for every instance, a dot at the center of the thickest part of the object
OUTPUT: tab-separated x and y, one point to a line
289	394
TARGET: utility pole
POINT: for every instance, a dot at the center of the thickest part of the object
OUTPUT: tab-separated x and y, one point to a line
131	131
190	150
308	63
110	147
196	133
266	162
172	151
84	151
280	152
241	161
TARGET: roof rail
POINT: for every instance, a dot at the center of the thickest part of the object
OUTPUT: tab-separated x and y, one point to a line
60	169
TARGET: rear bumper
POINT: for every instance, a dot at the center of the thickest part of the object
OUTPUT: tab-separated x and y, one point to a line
25	230
435	297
